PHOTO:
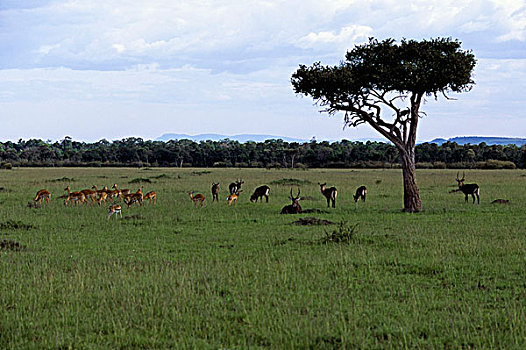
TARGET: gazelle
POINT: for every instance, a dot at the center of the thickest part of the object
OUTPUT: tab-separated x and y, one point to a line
233	197
215	191
77	197
114	209
122	192
468	189
295	207
43	194
235	186
151	196
259	193
197	198
103	194
131	198
361	193
329	193
91	194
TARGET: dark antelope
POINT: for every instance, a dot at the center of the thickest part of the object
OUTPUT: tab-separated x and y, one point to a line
235	186
259	193
293	208
329	193
361	193
215	191
468	189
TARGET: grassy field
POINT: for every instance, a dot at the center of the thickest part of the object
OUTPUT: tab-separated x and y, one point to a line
175	276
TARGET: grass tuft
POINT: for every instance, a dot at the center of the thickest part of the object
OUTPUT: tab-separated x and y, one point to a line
344	233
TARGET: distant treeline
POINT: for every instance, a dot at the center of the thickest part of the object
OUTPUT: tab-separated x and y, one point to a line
137	152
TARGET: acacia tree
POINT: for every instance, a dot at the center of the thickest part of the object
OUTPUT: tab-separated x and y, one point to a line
383	84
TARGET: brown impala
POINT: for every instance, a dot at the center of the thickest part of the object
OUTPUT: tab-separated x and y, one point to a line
197	198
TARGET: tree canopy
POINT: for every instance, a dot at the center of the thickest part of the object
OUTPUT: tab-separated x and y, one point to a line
382	75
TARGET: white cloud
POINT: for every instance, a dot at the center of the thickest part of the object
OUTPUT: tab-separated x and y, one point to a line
229	62
346	37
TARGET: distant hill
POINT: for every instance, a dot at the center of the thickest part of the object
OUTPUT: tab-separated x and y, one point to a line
475	140
216	137
248	137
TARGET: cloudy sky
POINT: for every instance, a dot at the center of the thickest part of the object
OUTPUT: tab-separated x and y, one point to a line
94	69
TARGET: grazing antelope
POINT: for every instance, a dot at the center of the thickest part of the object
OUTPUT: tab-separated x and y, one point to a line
197	198
151	196
468	189
259	193
329	193
77	197
131	198
121	192
91	194
43	194
361	193
215	191
114	209
235	186
295	207
233	197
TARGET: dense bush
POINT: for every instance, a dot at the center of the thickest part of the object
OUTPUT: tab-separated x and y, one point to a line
135	152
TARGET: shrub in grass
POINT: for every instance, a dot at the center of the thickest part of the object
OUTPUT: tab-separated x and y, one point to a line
344	233
6	166
140	180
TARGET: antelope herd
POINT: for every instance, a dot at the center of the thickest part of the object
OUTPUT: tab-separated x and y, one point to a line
94	195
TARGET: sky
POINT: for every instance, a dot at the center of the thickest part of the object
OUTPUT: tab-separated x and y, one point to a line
93	69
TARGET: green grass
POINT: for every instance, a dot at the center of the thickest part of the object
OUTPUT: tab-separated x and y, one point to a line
244	276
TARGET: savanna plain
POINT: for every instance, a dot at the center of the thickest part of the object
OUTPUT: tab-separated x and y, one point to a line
173	275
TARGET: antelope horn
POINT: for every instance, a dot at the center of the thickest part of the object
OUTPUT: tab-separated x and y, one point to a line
298	196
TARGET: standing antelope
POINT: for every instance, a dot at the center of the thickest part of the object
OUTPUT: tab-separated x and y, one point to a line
103	194
74	196
295	207
233	197
215	191
151	196
121	192
259	193
361	193
472	189
91	194
329	193
197	198
235	186
114	209
43	194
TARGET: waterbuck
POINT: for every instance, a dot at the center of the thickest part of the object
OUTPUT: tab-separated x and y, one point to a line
361	193
259	193
215	191
235	186
295	207
472	189
329	193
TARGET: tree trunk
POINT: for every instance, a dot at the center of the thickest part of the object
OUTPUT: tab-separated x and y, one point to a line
412	201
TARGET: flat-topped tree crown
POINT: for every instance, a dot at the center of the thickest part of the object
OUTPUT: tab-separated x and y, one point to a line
385	75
